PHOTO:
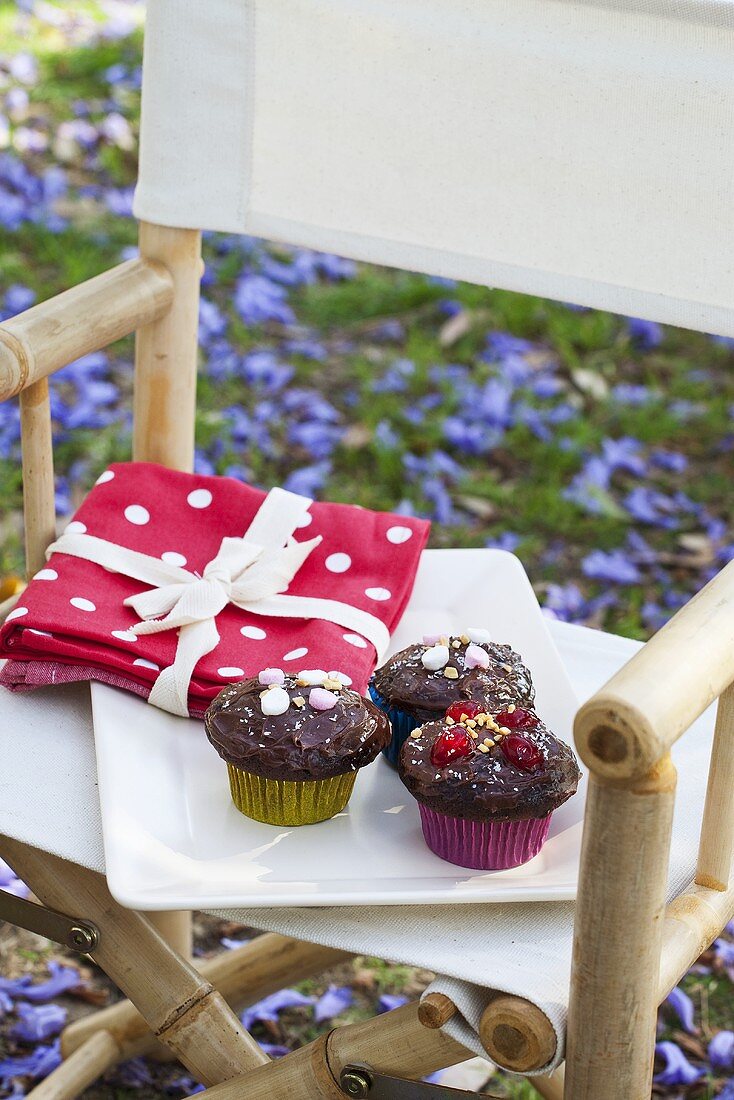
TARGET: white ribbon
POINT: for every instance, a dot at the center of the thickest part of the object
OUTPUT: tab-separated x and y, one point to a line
251	572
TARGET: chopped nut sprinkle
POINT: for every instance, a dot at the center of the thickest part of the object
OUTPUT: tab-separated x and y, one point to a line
482	748
473	734
451	673
416	733
511	709
456	643
464	638
449	721
332	685
504	730
298	701
489	742
471	723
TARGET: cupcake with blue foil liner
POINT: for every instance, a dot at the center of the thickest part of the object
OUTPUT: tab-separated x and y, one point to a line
293	744
418	684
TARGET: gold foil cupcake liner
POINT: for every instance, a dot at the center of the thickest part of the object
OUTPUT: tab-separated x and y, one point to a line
289	802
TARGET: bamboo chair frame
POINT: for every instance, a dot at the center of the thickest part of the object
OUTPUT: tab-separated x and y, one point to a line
629	948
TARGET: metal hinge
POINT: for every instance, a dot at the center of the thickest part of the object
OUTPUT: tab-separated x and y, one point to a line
79	935
359	1082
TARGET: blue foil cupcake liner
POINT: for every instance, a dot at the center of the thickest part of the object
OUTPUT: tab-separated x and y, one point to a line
401	722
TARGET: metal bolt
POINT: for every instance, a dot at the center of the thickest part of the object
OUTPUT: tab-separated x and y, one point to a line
355	1083
82	938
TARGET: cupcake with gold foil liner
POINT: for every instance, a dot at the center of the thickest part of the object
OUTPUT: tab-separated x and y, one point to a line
289	802
293	744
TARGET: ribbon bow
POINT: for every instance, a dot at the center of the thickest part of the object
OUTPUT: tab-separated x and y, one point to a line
251	572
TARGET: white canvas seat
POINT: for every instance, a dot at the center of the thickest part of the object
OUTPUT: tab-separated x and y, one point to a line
578	149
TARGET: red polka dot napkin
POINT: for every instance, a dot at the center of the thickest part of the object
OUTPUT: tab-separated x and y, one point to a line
71	622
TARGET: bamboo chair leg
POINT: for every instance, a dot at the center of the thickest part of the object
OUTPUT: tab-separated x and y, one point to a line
98	1054
395	1043
618	937
166	354
717	828
181	1008
176	929
39	511
242	976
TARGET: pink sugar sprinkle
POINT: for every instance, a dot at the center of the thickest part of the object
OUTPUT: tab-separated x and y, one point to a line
476	657
321	699
271	676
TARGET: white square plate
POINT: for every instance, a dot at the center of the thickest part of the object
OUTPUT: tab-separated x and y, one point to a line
174	840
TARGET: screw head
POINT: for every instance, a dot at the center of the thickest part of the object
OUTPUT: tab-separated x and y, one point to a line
355	1083
82	939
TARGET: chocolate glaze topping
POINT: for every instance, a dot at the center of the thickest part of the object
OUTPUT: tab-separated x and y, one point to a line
302	743
404	682
485	785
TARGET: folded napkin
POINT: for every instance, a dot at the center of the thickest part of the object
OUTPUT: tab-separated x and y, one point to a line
72	622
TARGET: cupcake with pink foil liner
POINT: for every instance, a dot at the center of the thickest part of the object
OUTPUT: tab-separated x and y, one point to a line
487	782
419	683
293	744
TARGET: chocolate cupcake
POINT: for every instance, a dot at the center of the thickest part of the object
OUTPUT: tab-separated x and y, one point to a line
487	783
420	682
293	744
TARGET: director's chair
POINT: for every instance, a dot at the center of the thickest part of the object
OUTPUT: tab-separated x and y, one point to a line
576	149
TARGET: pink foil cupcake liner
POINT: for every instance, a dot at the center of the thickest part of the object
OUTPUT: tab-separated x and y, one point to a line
483	845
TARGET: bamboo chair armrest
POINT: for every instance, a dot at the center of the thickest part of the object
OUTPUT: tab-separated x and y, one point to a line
635	719
86	318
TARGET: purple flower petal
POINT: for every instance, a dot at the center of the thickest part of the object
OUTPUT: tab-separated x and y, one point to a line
335	1001
721	1052
274	1050
389	1001
41	1062
269	1007
231	944
678	1070
63	978
682	1005
37	1023
613	566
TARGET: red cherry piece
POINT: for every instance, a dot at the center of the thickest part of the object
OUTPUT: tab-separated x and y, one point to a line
452	743
468	709
521	752
517	719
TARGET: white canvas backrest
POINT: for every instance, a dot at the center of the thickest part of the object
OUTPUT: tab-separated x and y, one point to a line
577	149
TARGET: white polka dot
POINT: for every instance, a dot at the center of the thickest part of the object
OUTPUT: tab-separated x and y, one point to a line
76	527
41	633
305	520
173	558
135	513
398	534
124	635
227	671
378	593
46	575
253	632
82	604
295	654
355	640
146	664
199	498
106	476
338	563
16	613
